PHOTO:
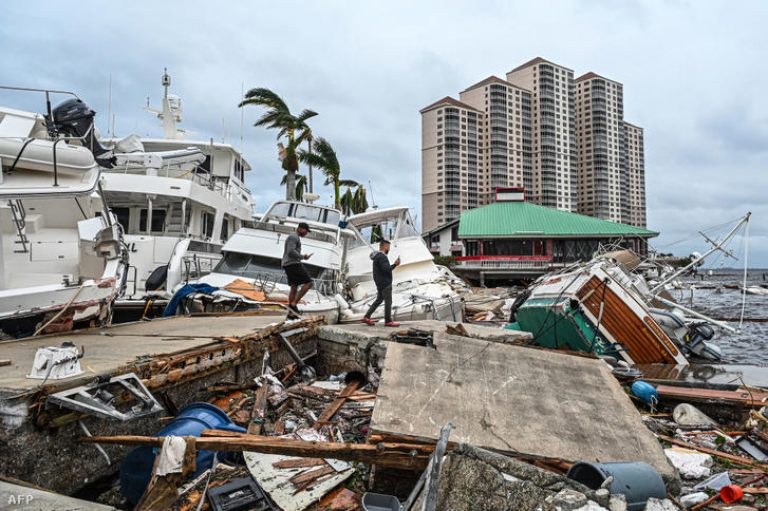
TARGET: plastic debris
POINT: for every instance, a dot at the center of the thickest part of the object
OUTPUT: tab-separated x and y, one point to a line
689	417
692	499
715	482
690	464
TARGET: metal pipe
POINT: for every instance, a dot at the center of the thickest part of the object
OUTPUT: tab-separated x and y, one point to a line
697	314
104	204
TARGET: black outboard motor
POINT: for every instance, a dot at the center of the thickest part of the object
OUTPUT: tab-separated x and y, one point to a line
698	335
73	118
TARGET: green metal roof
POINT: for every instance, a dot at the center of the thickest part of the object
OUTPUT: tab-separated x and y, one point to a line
526	220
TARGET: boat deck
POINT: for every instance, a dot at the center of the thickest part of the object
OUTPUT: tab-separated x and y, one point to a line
108	349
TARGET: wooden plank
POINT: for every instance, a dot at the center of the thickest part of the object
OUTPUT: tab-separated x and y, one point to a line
307	476
333	408
723	455
5	362
299	463
259	411
401	456
746	397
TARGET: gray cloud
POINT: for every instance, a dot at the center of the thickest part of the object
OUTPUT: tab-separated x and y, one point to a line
693	75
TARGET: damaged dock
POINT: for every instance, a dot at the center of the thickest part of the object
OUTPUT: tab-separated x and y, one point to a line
365	396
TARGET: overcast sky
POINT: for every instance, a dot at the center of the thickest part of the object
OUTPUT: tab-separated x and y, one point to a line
694	76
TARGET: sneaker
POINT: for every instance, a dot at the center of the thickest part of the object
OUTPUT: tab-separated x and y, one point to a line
369	321
293	312
392	323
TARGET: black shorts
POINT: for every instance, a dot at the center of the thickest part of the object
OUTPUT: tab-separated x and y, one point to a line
297	275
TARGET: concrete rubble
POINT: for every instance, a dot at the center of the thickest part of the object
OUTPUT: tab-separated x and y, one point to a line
350	409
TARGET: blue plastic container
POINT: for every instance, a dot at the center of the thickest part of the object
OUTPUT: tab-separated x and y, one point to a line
645	391
636	480
136	469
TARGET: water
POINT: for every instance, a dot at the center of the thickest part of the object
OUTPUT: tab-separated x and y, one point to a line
750	345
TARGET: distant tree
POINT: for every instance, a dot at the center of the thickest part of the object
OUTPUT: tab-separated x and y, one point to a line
301	185
292	128
355	202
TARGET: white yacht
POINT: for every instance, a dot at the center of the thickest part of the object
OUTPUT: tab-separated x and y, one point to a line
178	201
421	289
250	274
62	260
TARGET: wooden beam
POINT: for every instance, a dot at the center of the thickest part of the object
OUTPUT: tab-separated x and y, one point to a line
399	456
333	408
723	455
259	410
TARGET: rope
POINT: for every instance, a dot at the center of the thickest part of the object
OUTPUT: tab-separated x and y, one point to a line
54	318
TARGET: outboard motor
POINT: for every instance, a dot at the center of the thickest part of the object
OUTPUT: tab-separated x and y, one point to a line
698	335
74	118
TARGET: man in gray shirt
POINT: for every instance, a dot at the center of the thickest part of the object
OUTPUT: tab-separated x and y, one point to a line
294	269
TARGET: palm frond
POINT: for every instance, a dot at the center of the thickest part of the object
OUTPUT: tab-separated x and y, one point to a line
348	182
264	97
304	116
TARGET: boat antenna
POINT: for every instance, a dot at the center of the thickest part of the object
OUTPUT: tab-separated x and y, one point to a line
110	126
373	201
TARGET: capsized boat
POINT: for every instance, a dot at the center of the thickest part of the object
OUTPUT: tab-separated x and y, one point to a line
62	258
421	289
595	308
607	307
250	276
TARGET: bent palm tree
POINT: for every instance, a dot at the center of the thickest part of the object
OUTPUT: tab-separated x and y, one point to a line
325	159
293	128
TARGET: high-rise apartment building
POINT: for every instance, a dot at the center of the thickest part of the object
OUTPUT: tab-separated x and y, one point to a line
563	139
450	161
554	131
505	134
636	173
603	184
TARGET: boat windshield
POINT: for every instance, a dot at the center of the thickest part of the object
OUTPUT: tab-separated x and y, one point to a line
307	212
258	267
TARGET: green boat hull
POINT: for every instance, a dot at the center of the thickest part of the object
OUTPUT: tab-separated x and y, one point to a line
557	325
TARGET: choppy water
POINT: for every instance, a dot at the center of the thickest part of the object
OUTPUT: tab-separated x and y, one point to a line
750	345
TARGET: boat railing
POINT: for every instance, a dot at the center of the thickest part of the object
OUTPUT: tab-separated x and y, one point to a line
504	264
53	134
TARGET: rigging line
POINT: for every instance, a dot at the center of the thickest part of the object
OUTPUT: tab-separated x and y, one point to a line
744	285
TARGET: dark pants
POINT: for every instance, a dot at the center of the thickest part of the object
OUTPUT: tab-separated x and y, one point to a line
384	295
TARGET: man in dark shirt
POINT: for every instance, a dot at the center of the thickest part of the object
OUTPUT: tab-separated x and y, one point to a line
382	276
294	269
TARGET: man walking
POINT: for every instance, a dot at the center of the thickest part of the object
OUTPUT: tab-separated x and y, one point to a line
382	276
294	269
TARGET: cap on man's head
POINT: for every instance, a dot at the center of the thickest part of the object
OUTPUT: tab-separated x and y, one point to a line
303	225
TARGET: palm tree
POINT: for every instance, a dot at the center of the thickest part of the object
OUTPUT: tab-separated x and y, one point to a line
353	203
293	129
301	185
324	158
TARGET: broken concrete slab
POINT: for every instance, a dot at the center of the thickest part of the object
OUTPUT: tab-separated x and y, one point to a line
473	478
362	334
513	399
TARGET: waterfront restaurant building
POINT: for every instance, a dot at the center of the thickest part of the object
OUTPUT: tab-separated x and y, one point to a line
514	239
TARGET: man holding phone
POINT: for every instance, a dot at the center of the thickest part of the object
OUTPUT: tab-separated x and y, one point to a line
294	269
382	276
